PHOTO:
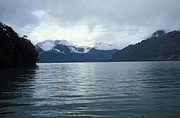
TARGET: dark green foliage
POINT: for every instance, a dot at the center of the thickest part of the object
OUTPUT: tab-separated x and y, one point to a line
15	51
161	46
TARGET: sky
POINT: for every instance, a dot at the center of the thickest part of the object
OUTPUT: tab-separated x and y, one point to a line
115	22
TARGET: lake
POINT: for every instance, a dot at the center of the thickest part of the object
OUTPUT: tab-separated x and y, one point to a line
105	89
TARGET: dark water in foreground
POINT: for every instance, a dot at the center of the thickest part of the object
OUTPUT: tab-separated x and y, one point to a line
114	90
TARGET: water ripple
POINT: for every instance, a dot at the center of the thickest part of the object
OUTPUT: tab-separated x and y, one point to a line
125	89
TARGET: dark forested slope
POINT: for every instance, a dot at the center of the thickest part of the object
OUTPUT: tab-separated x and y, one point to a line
160	46
15	51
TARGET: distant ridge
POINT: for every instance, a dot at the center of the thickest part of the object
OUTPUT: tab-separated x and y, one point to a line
61	51
160	46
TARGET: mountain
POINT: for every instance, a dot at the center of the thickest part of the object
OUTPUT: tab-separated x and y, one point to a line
160	46
62	51
15	51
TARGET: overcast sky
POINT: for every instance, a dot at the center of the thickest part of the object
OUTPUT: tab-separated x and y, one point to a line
116	22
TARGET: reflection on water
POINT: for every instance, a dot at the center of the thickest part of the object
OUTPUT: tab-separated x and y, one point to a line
14	87
126	89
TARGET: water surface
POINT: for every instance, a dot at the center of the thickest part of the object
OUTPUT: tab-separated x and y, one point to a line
113	90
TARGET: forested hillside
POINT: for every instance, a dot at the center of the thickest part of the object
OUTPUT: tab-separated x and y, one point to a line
160	46
15	51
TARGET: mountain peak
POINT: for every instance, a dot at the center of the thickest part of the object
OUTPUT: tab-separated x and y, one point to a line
48	45
158	33
62	42
81	47
95	44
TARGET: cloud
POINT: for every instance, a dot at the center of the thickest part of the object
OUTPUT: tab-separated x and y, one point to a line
119	22
118	12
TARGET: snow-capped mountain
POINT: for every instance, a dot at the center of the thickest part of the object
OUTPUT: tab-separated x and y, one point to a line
94	44
63	51
48	45
81	47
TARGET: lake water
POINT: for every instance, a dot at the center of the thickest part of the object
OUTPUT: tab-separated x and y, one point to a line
113	90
